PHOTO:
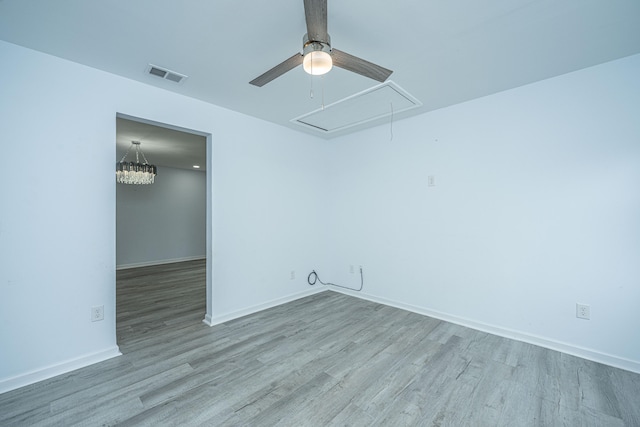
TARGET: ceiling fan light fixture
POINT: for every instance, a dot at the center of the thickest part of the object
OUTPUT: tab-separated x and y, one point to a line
317	63
317	56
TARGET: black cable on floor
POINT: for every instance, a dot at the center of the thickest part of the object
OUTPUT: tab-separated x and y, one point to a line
313	277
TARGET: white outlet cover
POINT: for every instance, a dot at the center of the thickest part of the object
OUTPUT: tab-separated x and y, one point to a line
583	311
97	313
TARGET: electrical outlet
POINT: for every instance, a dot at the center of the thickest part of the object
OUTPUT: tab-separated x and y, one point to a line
293	275
97	313
351	269
583	311
431	182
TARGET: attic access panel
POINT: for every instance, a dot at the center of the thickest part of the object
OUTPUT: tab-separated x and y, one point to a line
374	103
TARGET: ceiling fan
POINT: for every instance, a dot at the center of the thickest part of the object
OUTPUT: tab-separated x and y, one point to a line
317	55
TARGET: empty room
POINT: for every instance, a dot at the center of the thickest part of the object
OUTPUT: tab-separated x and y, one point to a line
410	213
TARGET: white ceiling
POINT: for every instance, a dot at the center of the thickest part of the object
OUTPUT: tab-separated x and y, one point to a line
442	52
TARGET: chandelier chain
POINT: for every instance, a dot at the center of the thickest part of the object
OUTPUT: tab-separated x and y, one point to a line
143	156
126	154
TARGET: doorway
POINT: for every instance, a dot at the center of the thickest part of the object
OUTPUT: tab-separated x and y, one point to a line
163	229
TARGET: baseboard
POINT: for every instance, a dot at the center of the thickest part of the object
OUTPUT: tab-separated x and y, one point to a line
58	369
212	321
208	320
584	353
159	262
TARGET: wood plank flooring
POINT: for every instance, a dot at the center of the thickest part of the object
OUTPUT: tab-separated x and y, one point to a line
328	359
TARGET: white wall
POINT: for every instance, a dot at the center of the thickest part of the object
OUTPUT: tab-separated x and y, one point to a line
536	207
57	229
163	222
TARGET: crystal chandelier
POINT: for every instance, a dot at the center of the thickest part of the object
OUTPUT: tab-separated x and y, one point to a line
135	173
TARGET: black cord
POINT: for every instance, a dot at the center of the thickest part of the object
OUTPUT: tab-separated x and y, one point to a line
316	278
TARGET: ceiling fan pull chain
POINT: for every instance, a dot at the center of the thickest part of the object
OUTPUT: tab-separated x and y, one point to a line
322	89
391	122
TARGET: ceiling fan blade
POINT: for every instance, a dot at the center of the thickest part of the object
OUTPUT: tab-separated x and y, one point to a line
315	12
278	70
360	66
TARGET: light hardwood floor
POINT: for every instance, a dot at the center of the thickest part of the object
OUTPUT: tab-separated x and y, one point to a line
328	359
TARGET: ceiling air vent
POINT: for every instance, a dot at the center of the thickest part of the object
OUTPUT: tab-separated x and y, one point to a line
372	104
166	74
